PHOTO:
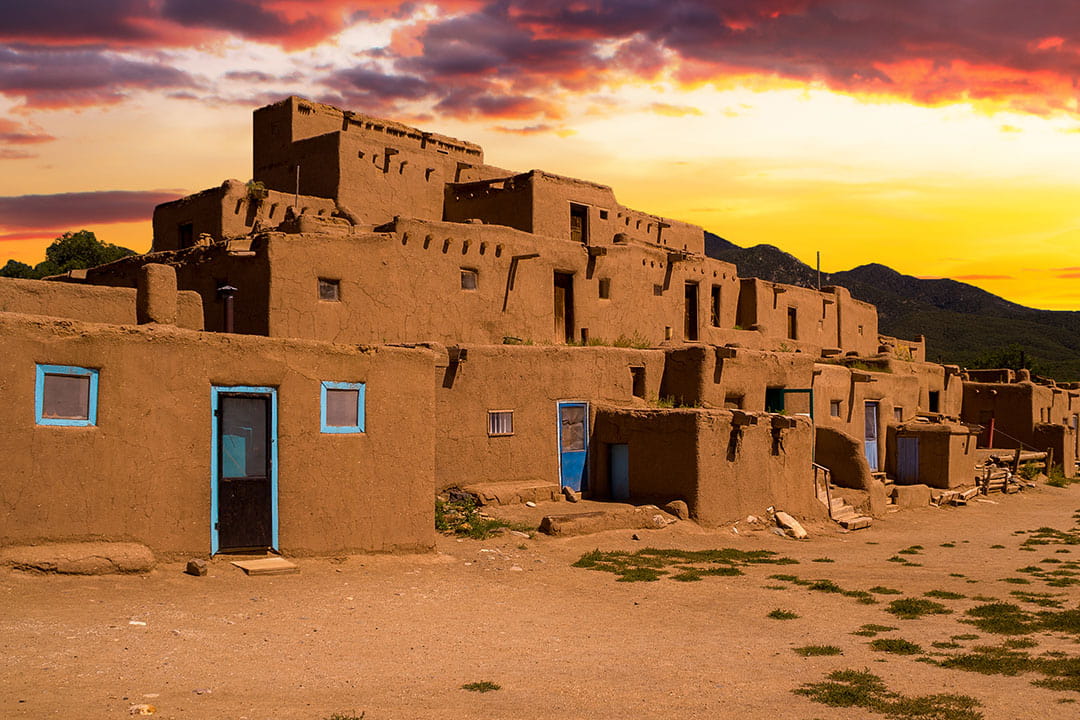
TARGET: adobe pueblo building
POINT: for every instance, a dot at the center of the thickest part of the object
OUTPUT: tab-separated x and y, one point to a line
303	361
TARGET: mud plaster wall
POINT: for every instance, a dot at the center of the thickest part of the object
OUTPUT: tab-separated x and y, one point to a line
228	211
1062	441
86	302
203	270
889	390
845	458
530	381
1013	407
507	202
143	473
946	453
721	473
736	377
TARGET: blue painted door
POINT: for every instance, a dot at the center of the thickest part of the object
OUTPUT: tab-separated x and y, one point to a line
907	460
871	425
573	444
619	471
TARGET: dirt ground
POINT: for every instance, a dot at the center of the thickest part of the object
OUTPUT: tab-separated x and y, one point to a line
397	636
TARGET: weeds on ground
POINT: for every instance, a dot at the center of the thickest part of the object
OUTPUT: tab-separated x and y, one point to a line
463	518
1040	599
914	608
944	595
946	645
1009	619
650	564
349	716
1057	478
882	590
827	586
481	687
779	614
863	689
817	650
871	630
913	550
897	646
823	560
1059	672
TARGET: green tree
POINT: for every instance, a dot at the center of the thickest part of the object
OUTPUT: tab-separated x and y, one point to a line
70	251
16	269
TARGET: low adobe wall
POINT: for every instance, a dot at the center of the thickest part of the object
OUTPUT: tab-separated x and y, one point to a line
88	302
143	472
722	469
946	454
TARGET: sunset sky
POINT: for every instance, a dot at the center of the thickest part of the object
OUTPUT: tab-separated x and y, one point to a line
939	137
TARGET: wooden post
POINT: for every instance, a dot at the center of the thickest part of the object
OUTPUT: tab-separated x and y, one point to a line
1049	460
1016	462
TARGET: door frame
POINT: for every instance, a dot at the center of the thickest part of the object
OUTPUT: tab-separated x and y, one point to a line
215	392
876	465
558	438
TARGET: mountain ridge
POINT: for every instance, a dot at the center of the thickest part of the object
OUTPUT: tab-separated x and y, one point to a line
962	324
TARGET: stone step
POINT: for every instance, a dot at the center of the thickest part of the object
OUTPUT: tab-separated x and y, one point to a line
856	523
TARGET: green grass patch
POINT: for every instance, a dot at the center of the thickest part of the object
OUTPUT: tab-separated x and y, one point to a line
882	590
862	689
1041	599
872	630
779	614
897	646
650	564
945	644
482	686
827	586
948	545
1059	671
914	608
346	716
823	560
817	650
1001	618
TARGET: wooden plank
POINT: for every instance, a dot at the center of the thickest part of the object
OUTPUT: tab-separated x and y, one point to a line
267	566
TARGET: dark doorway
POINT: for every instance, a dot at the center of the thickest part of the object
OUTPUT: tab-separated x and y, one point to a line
244	439
186	233
714	306
564	307
792	323
690	331
579	223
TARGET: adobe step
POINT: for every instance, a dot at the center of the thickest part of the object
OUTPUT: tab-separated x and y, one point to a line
514	492
856	523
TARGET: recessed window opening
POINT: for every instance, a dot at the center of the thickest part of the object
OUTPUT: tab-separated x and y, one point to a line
329	290
342	407
579	223
733	402
792	323
898	413
835	407
470	279
65	395
637	375
500	423
714	306
186	234
603	215
935	401
605	288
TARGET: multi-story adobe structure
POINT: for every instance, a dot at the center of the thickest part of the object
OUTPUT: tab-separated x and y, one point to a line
308	357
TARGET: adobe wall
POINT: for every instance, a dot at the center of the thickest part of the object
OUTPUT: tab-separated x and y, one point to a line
723	472
853	389
829	319
377	168
530	381
114	305
202	270
1015	408
227	211
736	378
143	473
946	453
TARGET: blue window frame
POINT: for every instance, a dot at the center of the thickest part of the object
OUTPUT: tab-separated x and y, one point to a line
342	406
65	396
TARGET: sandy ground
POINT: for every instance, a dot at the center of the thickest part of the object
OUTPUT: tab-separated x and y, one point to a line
396	637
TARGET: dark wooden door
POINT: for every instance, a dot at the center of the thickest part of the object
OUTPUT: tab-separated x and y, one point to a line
564	307
690	313
244	519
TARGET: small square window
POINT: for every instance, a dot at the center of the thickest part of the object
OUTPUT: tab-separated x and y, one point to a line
66	396
500	422
658	290
605	288
898	413
342	407
329	290
470	279
603	214
834	408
